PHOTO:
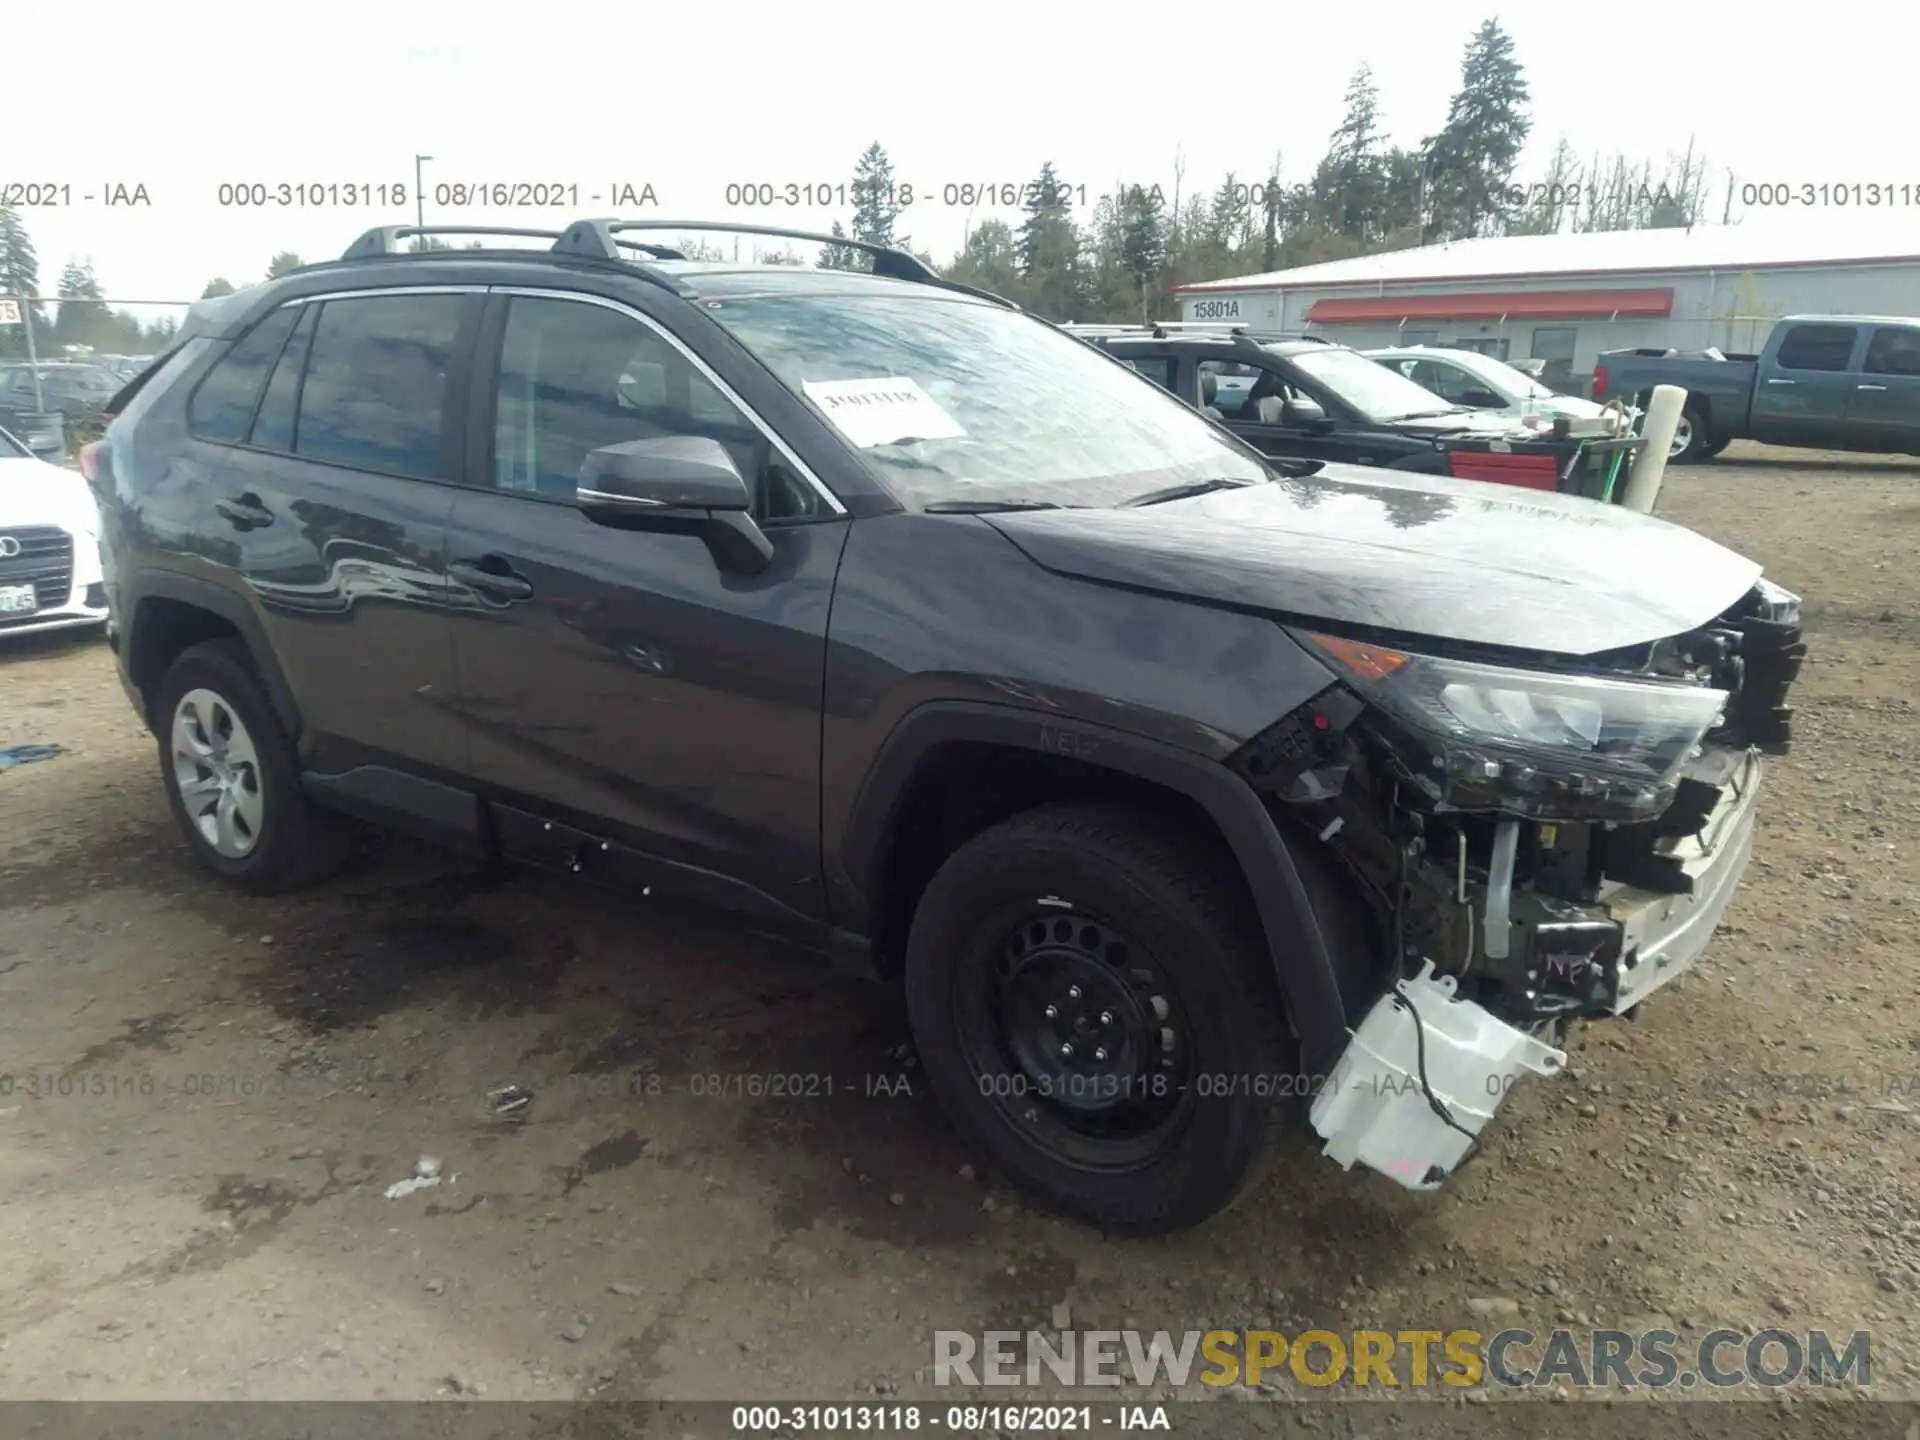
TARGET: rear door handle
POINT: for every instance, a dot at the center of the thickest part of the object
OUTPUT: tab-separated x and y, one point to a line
1780	382
245	510
491	575
1869	387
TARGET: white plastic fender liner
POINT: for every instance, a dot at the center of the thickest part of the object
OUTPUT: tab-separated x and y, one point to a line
1379	1105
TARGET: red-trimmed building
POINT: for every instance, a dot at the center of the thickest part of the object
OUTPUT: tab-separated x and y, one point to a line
1565	298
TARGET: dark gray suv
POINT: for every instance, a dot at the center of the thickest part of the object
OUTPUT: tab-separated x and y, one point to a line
1188	792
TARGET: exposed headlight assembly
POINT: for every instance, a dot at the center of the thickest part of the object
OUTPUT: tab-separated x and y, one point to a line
1530	742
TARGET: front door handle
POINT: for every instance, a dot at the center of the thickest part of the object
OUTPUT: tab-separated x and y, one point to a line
1869	387
1779	382
491	575
245	511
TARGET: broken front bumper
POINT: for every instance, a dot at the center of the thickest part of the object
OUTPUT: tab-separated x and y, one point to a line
1427	1068
1662	935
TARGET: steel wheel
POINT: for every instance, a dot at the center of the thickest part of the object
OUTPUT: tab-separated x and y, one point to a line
1079	1033
217	772
1682	437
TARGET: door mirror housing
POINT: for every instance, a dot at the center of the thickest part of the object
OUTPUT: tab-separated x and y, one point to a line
1482	400
676	485
1304	413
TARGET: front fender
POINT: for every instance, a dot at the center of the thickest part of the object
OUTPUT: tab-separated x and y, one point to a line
1295	940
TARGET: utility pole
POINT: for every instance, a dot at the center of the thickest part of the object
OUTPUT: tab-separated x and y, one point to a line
419	193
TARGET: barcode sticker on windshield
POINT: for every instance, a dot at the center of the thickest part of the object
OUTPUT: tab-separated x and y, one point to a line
882	412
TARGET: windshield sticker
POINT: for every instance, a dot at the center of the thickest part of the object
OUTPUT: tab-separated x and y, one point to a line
887	411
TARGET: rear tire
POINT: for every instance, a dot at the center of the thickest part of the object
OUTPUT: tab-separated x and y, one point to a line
1691	442
1120	1053
233	776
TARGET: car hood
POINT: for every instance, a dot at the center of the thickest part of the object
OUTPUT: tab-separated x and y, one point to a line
1453	560
33	492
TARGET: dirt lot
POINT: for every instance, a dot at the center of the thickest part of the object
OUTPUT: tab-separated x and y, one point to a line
206	1096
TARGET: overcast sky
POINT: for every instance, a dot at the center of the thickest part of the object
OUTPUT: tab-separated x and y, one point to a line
183	96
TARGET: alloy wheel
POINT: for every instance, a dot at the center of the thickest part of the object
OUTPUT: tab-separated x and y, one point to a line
217	772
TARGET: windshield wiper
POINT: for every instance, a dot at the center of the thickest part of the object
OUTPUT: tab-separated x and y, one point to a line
1426	414
986	507
1181	492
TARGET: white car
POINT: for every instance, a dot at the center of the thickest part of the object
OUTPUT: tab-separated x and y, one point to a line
1466	377
49	546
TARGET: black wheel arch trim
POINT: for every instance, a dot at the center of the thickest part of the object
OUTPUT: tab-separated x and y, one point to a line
1296	944
225	604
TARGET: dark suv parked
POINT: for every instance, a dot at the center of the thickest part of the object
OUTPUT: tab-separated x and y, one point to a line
1179	786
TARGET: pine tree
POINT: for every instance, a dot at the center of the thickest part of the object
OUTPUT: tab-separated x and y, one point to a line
838	257
876	204
286	260
1471	160
217	287
1049	247
989	260
1348	185
81	319
1143	244
19	275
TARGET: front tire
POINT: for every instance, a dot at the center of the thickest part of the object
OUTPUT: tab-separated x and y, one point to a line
1095	1010
233	776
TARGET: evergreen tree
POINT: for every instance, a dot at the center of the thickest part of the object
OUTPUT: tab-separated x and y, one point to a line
216	287
838	257
82	319
1348	186
1051	269
286	260
1471	160
876	205
989	260
19	275
1143	244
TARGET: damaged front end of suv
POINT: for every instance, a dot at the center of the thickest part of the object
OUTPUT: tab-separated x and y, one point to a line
1541	840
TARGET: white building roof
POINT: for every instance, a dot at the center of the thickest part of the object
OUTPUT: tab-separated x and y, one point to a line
1836	238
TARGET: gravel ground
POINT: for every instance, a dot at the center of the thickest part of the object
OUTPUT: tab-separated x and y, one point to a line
206	1097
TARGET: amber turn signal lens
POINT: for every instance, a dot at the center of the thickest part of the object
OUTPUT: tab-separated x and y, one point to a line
1368	662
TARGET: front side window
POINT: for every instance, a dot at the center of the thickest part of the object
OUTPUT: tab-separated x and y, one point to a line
575	377
947	399
221	408
376	386
1157	368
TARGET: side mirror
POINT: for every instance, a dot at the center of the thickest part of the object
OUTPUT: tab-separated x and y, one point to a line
1482	400
1303	413
676	485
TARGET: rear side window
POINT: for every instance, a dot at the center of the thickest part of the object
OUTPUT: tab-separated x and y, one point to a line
1816	347
1894	352
376	387
222	405
280	406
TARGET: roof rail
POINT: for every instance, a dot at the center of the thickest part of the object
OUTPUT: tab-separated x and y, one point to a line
385	239
600	239
1161	329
